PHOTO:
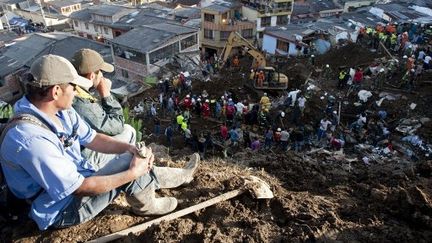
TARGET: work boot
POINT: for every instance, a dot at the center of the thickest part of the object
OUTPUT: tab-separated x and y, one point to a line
145	203
174	177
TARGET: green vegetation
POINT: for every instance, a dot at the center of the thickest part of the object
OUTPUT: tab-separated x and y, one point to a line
136	123
6	111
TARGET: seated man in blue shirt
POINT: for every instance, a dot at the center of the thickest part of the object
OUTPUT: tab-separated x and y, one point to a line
48	162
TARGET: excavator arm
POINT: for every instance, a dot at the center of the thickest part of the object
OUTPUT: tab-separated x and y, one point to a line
236	40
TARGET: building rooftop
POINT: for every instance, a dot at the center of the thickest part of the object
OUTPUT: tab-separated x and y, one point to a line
147	38
27	49
186	12
62	3
143	17
222	6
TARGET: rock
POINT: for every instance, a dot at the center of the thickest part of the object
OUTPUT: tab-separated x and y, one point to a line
378	195
424	120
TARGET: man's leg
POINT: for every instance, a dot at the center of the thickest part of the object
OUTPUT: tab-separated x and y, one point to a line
98	160
82	209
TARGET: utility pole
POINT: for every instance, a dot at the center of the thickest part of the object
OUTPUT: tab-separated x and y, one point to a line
42	12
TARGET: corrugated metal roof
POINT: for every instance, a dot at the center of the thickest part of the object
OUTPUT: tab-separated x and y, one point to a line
147	38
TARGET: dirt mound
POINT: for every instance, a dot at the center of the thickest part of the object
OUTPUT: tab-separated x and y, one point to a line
351	55
314	200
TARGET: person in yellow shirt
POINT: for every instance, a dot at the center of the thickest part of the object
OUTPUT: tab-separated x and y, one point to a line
265	102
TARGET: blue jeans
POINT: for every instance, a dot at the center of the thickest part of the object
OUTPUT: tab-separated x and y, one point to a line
321	133
157	130
82	209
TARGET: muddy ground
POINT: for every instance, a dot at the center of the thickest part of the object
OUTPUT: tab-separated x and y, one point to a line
319	196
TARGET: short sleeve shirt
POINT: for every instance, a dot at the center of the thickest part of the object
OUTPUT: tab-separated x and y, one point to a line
34	158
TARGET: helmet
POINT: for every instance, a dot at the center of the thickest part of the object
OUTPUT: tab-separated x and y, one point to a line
327	66
412	70
265	94
282	114
207	101
199	99
187	96
229	99
312	55
279	129
405	56
252	70
160	81
381	70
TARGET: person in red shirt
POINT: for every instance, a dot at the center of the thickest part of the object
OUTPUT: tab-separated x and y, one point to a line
224	131
187	102
277	136
205	109
358	78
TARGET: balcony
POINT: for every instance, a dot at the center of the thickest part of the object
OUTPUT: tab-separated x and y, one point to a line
272	11
236	26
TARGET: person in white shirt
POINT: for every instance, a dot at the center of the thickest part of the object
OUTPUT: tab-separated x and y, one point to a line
324	123
426	63
301	103
284	139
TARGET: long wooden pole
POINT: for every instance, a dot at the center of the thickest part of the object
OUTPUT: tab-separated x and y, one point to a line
178	214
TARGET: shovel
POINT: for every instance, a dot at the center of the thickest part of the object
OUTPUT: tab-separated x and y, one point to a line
257	187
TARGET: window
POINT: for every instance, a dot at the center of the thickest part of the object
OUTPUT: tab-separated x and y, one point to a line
282	45
124	73
75	23
282	20
105	30
86	26
265	21
209	17
96	28
224	35
188	42
164	53
225	17
247	33
208	34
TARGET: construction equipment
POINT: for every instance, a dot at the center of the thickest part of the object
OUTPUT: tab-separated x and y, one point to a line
257	187
271	80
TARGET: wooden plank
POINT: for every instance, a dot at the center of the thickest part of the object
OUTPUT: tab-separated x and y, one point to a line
171	216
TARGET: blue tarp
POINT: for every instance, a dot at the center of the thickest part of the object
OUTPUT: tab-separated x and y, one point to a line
15	21
322	46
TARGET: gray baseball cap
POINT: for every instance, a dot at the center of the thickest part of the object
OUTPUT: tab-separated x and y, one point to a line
52	70
87	61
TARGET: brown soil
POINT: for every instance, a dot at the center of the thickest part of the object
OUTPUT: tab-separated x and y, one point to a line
319	196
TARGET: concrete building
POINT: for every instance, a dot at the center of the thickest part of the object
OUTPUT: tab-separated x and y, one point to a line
305	11
218	20
97	22
350	5
142	51
267	13
63	7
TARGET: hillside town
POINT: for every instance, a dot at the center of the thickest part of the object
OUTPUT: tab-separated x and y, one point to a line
216	120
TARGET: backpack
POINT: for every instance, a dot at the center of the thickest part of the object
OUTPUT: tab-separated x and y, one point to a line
13	209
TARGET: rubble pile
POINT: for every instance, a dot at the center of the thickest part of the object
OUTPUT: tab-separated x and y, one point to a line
375	186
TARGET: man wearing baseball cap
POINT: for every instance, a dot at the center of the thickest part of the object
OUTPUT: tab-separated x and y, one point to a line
104	114
43	164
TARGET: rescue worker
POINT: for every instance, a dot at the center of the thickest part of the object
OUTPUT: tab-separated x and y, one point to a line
342	78
205	109
260	79
265	102
236	61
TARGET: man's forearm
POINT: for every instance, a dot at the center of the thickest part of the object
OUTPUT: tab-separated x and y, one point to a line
95	185
106	144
